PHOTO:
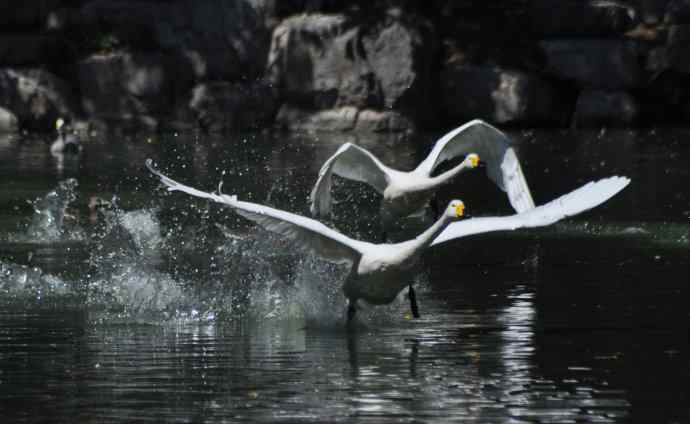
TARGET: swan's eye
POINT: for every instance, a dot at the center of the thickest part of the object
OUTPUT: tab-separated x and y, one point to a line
459	209
474	160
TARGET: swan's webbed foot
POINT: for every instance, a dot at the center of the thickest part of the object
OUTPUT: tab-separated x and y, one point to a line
413	302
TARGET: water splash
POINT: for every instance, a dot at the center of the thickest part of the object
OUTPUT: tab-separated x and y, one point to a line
52	218
138	270
21	283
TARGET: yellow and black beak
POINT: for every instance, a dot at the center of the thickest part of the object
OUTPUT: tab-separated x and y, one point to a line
460	210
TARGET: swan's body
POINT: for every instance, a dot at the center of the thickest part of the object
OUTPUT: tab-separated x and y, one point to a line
66	141
380	271
405	193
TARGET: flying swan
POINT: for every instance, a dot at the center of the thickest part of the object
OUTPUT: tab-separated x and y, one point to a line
380	271
405	193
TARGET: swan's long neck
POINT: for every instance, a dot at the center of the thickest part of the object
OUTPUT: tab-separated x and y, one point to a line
425	239
448	175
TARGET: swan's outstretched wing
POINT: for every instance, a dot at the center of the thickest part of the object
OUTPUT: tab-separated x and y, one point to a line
584	198
305	233
493	148
351	162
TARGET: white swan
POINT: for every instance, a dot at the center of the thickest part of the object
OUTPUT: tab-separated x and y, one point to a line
405	193
380	271
66	142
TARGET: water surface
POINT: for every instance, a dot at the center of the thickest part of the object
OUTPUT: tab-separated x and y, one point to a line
166	309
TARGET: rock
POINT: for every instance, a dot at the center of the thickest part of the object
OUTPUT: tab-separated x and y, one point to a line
124	86
580	18
678	48
21	49
36	97
387	121
594	63
497	95
227	39
346	118
603	108
224	106
8	122
339	119
400	51
28	13
316	62
140	24
321	62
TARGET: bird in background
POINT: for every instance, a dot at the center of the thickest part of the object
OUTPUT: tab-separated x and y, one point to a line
379	272
407	193
67	142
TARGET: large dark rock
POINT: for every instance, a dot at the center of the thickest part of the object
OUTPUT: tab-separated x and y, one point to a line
36	97
317	62
8	121
125	86
400	51
602	108
227	39
594	63
225	106
22	49
326	62
497	95
580	17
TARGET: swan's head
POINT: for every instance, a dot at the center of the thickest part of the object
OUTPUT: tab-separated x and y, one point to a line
59	123
473	160
456	209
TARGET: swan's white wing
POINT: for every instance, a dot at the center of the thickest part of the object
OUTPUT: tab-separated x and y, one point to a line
305	233
493	148
351	162
584	198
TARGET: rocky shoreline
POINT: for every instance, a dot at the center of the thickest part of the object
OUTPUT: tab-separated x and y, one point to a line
377	66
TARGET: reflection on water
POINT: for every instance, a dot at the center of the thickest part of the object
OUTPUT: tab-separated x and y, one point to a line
157	307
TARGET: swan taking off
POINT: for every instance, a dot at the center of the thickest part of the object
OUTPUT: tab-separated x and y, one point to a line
380	271
405	193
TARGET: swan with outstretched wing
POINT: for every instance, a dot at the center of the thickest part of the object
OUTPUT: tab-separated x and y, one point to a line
405	193
378	272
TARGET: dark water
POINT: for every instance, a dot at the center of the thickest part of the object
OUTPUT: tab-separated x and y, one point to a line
165	309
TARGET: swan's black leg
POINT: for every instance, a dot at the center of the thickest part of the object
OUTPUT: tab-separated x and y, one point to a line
413	302
351	311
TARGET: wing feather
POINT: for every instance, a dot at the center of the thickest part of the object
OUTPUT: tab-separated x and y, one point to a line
494	149
351	162
304	233
577	201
